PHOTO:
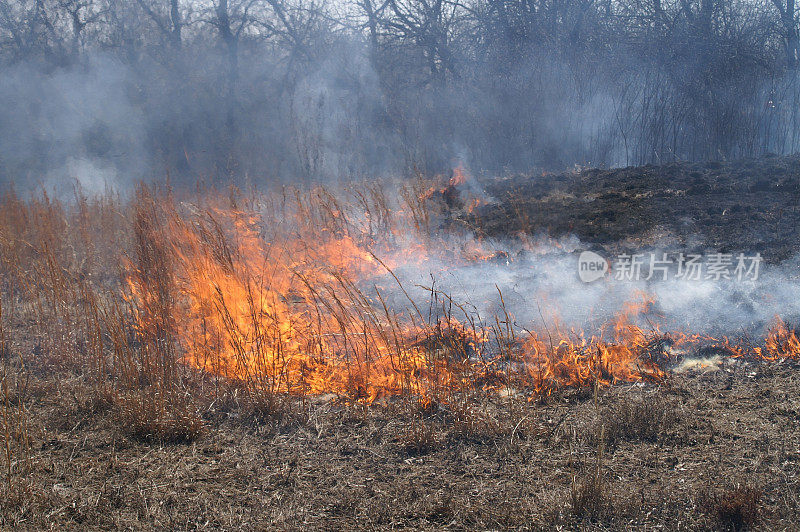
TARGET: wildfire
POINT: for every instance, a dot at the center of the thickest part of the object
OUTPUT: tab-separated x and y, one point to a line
290	296
459	176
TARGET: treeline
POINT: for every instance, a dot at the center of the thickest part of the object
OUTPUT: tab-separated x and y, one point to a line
115	90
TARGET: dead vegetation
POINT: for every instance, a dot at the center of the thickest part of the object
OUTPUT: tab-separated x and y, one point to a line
646	419
391	465
589	496
729	206
736	508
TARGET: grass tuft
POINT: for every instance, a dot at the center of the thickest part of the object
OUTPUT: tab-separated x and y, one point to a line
419	438
147	418
737	508
649	419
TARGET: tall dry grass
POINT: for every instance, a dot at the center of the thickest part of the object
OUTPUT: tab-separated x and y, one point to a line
99	288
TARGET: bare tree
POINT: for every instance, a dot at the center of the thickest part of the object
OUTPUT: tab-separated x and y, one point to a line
428	25
81	14
788	19
29	28
167	17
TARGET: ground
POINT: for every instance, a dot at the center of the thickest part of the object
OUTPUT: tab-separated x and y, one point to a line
673	456
742	206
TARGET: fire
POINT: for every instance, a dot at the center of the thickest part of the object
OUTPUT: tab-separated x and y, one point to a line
289	295
781	343
459	176
602	359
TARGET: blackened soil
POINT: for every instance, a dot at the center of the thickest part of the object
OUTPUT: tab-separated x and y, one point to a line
740	206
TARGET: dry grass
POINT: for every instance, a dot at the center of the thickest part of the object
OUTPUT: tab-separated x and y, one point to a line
263	292
589	496
391	466
648	419
418	438
147	417
736	508
589	499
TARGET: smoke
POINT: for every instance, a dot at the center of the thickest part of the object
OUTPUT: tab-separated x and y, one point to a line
540	289
335	106
108	123
310	91
325	99
70	125
334	109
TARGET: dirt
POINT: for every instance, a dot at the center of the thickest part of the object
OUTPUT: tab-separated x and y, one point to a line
494	464
743	206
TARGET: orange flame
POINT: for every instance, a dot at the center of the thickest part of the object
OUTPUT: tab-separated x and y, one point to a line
459	176
286	298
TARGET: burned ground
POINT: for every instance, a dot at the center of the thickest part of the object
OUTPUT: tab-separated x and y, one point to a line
743	206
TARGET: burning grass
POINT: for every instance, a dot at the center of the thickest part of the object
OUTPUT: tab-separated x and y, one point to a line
296	293
297	304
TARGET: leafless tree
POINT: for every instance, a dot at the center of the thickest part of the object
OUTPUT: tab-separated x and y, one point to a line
788	20
168	17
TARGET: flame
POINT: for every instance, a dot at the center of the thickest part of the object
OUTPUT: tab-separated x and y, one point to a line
285	296
781	343
581	361
459	176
